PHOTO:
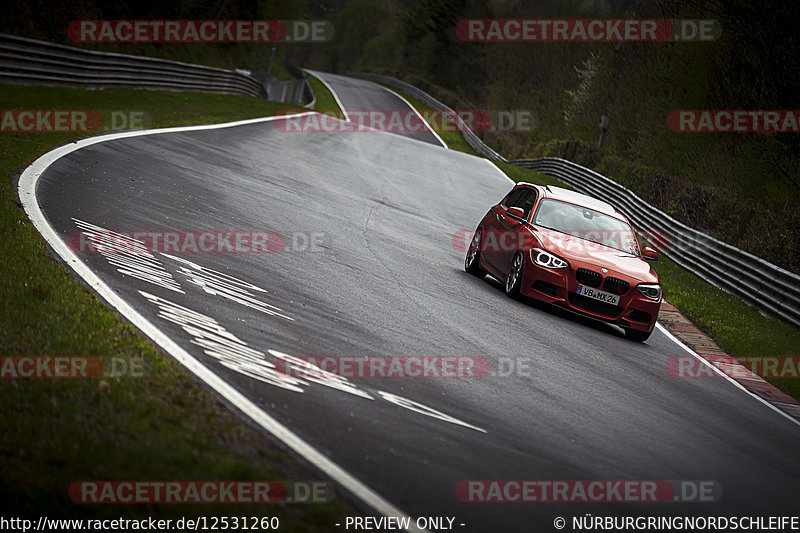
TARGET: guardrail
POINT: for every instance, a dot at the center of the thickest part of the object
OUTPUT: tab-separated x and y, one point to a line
305	92
29	60
756	281
309	94
285	91
473	140
753	279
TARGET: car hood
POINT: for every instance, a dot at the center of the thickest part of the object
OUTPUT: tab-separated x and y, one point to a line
587	254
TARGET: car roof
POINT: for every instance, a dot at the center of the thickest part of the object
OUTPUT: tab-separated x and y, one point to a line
560	193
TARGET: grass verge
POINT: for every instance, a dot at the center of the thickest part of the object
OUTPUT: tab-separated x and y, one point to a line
163	426
325	103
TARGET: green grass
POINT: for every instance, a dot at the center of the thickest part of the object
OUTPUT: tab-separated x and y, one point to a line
162	426
325	102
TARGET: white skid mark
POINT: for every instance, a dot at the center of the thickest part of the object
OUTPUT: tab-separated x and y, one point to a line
226	286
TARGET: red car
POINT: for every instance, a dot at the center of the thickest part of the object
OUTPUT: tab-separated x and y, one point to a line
571	250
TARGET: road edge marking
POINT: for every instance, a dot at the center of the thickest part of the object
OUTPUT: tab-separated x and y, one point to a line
347	117
416	111
700	358
333	93
500	170
26	190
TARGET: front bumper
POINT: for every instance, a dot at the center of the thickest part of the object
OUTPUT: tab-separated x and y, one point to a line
560	286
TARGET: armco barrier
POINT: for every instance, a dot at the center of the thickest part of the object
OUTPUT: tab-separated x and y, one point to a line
309	94
287	91
756	281
29	60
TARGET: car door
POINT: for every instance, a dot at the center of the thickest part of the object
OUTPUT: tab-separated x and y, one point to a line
511	231
495	227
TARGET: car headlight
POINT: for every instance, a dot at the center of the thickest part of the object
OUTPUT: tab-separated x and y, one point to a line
545	259
651	291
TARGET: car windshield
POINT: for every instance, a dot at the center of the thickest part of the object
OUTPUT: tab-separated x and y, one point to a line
586	224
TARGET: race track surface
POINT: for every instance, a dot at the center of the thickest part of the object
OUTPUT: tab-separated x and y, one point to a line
375	103
384	277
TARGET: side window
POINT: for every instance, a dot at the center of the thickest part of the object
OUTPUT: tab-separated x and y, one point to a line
524	198
527	201
513	199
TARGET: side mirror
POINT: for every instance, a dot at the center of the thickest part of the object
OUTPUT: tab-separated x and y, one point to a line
516	213
650	254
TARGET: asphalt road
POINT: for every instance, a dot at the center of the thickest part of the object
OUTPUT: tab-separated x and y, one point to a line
375	103
384	278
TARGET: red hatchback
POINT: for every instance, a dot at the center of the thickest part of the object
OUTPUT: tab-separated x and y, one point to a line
571	250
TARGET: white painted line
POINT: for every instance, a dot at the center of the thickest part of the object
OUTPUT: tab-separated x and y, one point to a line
28	182
369	128
723	374
425	122
335	96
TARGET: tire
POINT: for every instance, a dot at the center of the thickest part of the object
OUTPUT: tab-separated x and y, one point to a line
514	278
637	334
472	263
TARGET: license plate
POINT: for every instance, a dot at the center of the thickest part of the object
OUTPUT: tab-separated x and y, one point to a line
595	294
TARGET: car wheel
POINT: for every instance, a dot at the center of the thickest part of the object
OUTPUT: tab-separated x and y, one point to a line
514	279
472	261
637	334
